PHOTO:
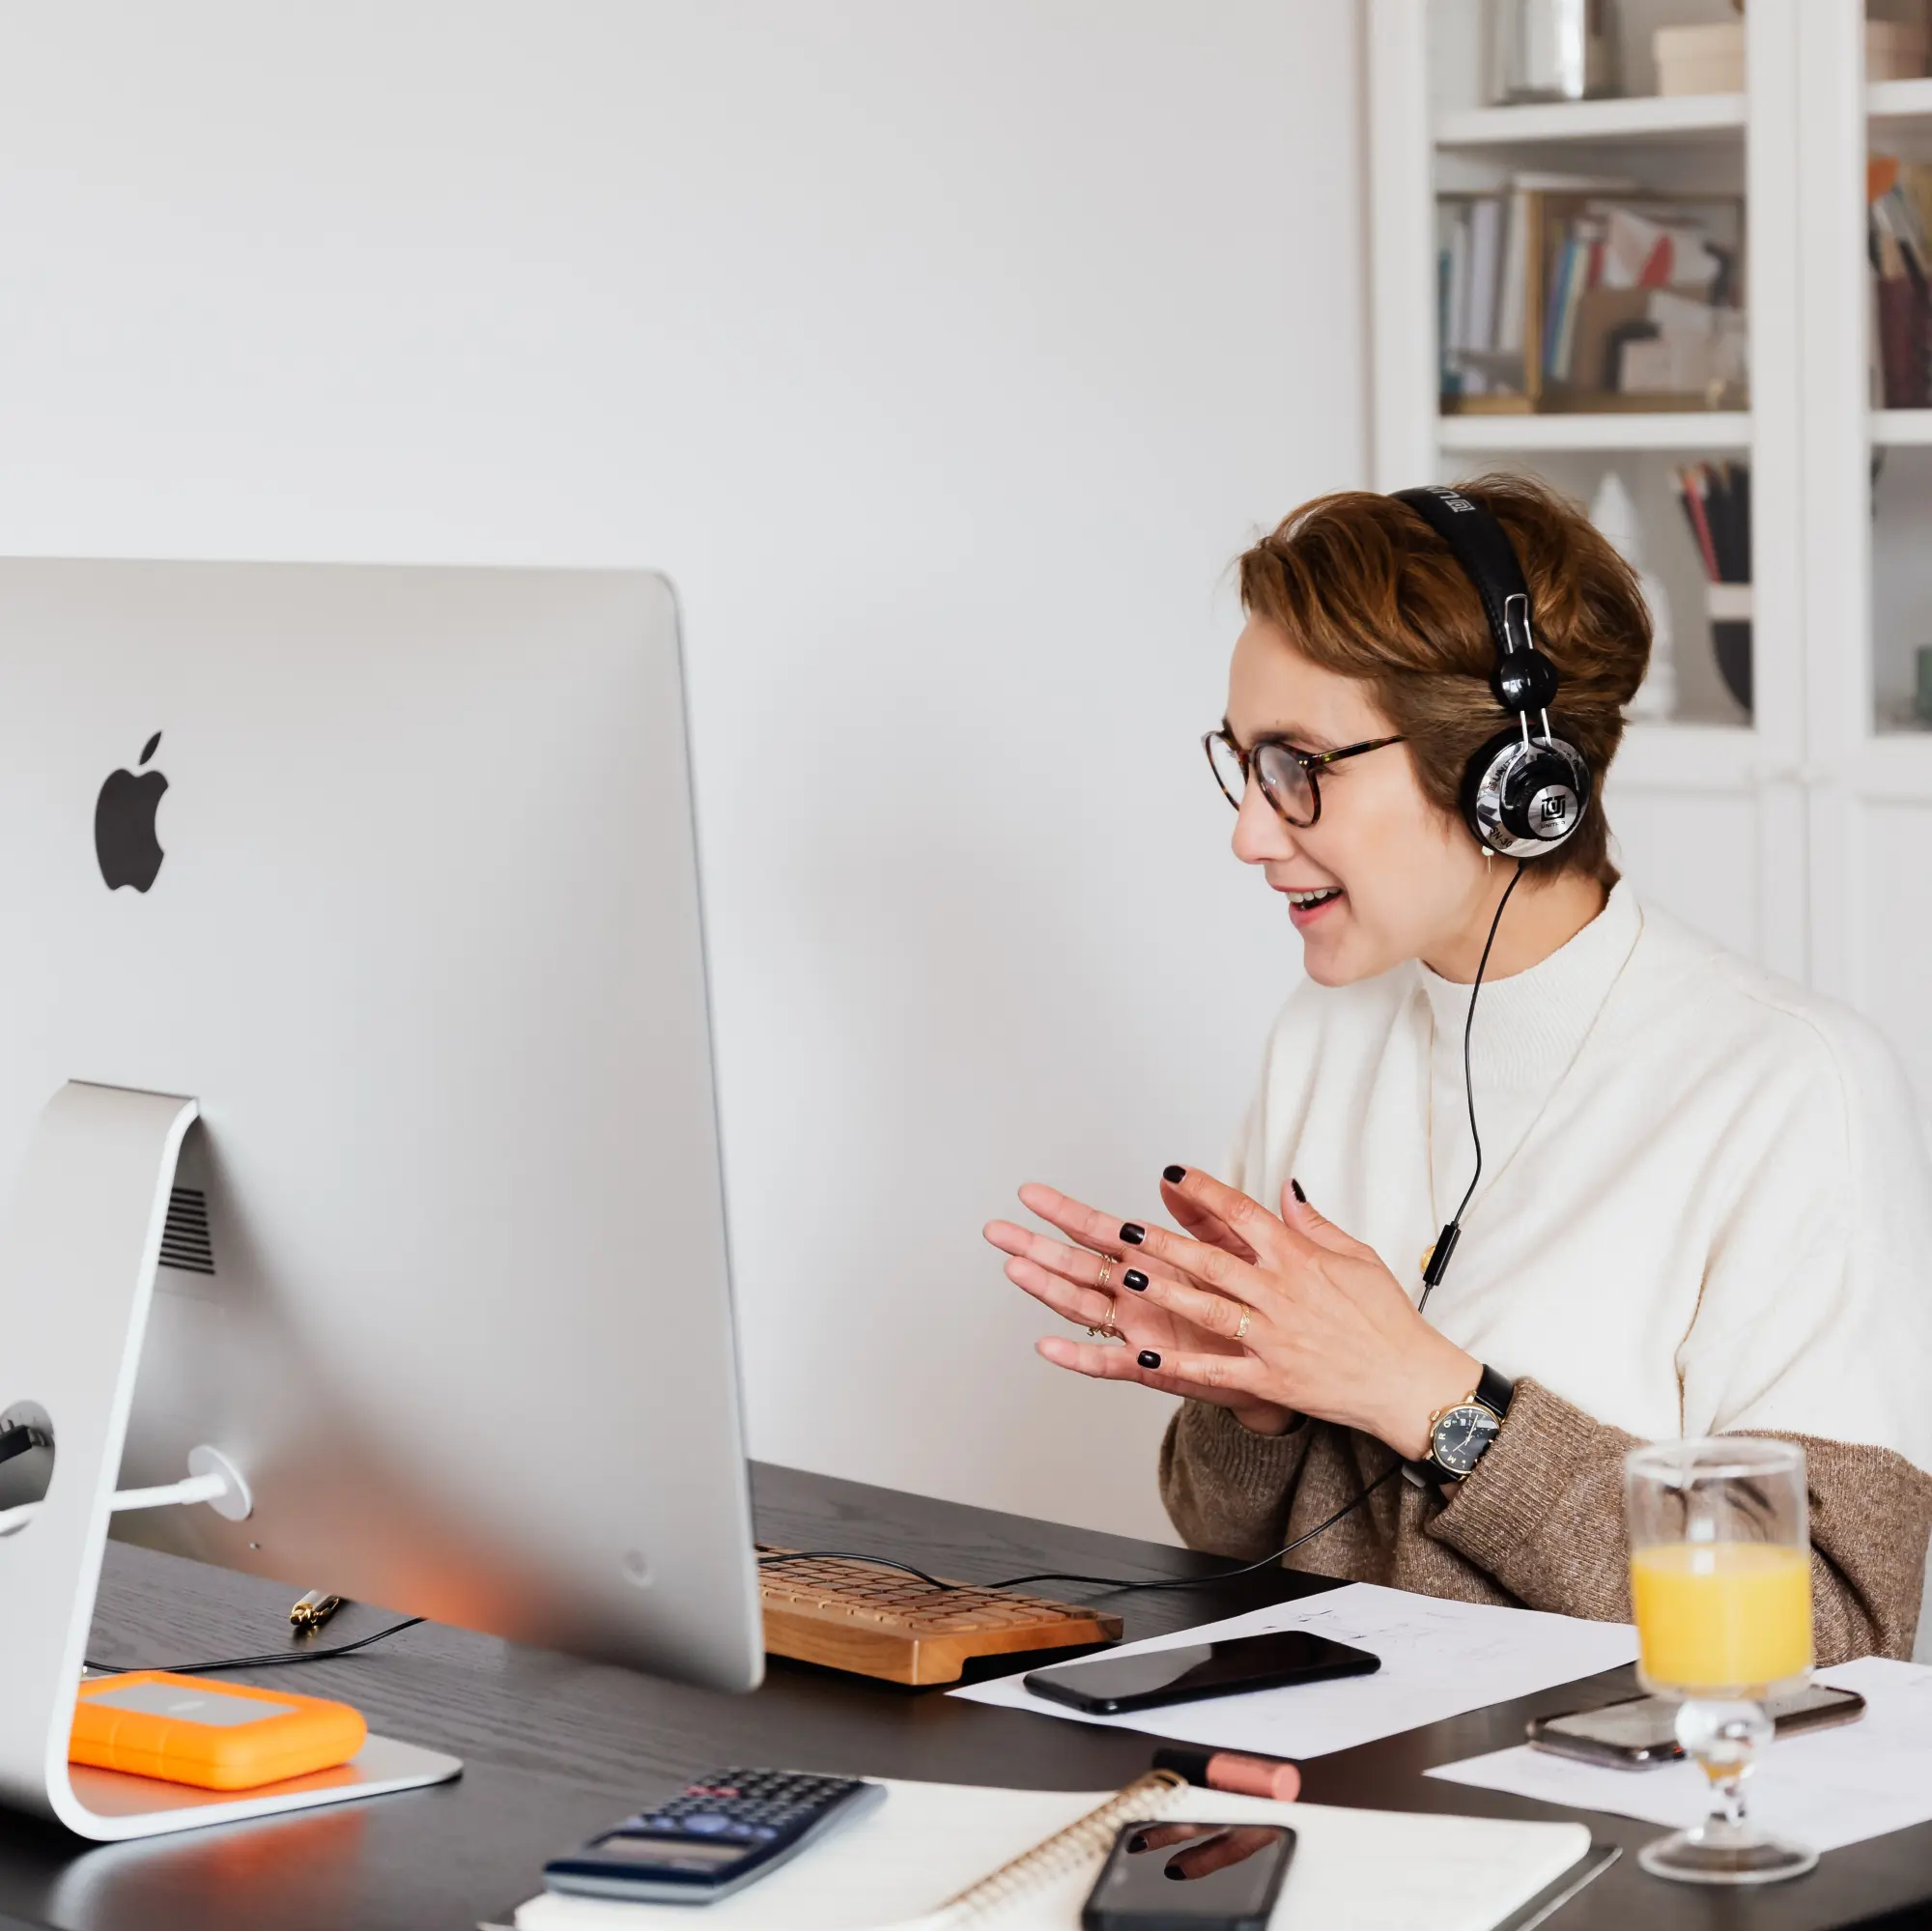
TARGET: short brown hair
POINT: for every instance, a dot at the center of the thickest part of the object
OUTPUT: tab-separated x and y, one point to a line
1363	587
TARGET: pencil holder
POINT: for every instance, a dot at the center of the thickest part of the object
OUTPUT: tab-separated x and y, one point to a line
1729	609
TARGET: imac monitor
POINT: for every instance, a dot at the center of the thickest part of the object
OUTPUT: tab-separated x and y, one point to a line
393	871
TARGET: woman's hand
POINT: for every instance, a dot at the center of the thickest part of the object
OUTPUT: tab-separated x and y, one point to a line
1306	1321
1065	1279
1325	1327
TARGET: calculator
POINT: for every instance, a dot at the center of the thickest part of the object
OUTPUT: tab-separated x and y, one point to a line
726	1829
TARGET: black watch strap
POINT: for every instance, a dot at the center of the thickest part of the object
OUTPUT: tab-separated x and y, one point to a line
1495	1391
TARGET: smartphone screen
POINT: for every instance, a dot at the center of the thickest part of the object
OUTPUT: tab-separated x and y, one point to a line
1221	1875
1104	1685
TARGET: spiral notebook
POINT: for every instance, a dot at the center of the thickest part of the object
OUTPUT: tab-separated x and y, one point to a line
938	1856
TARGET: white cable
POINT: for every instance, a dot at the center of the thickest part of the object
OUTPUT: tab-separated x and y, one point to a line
215	1481
192	1488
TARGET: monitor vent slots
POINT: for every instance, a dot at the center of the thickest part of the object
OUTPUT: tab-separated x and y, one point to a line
186	1243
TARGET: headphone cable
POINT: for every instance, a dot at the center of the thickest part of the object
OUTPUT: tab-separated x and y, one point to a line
1445	1242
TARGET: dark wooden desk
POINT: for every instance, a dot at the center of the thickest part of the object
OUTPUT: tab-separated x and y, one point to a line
555	1749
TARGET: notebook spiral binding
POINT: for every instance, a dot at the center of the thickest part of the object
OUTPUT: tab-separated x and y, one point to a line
1085	1841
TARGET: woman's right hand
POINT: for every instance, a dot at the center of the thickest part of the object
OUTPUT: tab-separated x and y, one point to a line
1064	1278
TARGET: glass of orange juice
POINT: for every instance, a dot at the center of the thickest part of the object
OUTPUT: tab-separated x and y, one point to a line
1721	1578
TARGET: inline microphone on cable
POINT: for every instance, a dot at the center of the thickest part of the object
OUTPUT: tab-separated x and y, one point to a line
1439	1254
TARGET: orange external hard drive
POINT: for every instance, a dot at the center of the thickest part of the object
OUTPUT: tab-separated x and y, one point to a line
220	1736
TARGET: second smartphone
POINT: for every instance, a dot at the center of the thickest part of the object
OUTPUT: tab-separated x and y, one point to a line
1107	1686
1640	1732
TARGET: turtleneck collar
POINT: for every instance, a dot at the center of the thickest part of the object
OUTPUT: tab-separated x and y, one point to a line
1530	1025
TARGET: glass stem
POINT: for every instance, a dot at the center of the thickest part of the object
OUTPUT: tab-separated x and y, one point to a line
1723	1739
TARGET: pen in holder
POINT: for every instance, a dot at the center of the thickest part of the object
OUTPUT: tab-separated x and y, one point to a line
1729	609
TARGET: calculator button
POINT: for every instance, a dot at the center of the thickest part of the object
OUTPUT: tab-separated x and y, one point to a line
707	1823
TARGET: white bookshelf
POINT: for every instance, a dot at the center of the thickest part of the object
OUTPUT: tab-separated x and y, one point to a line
1710	430
1890	103
1801	834
1902	428
1646	118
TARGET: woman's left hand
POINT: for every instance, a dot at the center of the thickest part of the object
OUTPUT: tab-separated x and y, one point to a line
1329	1331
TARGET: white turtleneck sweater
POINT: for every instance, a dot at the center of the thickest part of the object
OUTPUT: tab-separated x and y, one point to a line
1706	1207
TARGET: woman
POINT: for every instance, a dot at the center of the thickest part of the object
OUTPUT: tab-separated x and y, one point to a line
1703	1203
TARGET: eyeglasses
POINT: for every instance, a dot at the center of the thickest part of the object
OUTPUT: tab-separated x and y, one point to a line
1286	776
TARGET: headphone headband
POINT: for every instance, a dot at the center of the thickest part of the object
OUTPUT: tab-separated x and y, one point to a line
1522	797
1482	547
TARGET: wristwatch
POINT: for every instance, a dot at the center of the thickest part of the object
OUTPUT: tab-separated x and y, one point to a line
1460	1435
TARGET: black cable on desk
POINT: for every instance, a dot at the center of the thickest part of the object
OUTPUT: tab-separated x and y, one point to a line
276	1659
282	1659
877	1561
1115	1584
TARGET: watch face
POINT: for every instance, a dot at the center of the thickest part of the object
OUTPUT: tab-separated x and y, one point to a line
1461	1435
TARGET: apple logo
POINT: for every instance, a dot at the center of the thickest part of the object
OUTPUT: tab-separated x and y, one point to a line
123	825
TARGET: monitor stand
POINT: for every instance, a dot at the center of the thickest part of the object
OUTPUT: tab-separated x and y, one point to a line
78	1258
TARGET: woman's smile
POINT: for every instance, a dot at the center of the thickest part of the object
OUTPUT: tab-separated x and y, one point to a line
1307	903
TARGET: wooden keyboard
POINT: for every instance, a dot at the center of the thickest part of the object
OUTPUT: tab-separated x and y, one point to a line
871	1620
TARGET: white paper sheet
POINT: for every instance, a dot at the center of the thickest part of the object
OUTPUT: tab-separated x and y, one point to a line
1832	1788
1371	1870
1438	1659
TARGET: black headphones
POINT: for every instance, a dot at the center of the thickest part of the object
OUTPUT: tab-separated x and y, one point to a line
1521	795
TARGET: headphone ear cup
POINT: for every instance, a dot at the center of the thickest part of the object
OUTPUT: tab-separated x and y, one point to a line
1522	800
1482	780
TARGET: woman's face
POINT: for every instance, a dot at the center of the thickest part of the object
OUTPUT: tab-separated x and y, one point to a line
1405	880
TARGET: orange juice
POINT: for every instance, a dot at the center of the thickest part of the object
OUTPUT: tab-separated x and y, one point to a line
1722	1615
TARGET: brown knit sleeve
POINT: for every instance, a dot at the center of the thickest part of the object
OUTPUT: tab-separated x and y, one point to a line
1228	1490
1544	1514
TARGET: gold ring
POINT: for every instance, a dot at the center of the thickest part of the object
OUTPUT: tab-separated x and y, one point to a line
1241	1332
1107	1331
1106	1269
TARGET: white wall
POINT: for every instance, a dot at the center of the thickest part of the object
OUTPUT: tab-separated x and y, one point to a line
943	354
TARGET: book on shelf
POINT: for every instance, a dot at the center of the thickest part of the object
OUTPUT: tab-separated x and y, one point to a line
1568	292
1899	197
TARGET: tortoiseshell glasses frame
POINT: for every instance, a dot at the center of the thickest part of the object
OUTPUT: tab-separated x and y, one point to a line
1287	775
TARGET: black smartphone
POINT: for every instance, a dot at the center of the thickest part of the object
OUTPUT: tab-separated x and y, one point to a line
1190	1877
1104	1686
1640	1732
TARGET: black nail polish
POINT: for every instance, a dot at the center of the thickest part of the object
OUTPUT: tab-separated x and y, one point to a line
1148	1358
1298	1194
1174	1175
1133	1278
1133	1233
